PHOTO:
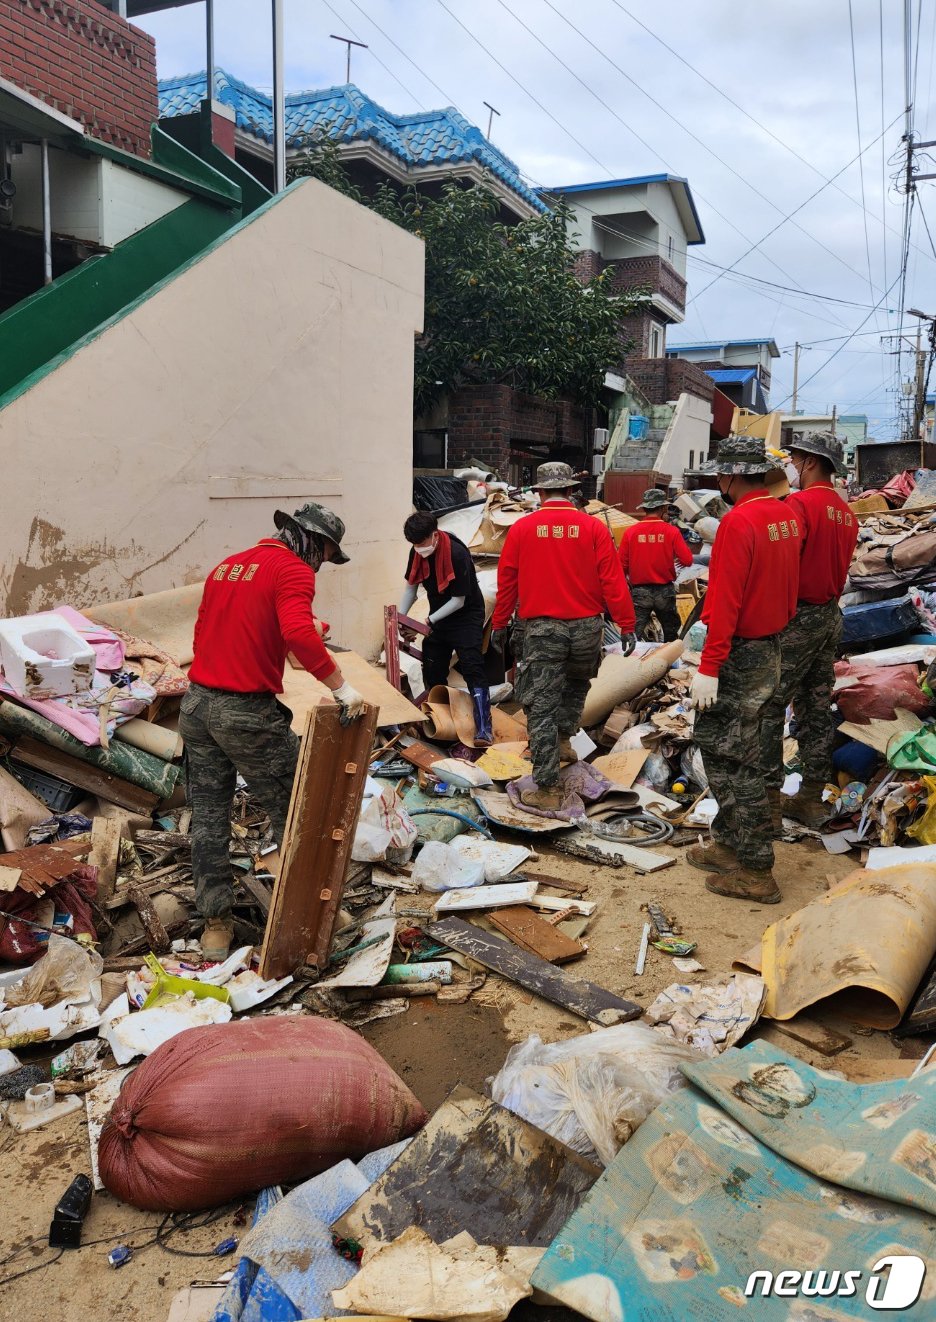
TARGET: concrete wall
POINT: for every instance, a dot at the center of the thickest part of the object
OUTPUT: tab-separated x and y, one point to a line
647	212
275	369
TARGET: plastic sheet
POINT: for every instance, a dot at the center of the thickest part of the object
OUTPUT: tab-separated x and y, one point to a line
593	1091
440	867
384	829
924	828
65	972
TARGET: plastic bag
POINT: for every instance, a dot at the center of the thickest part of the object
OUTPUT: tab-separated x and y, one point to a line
64	973
591	1092
915	751
862	692
385	829
440	868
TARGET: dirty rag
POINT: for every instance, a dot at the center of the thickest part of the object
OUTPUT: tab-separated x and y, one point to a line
580	784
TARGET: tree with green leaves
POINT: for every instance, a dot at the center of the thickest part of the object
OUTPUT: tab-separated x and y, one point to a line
503	303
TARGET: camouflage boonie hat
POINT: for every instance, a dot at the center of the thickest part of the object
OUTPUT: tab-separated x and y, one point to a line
822	443
555	477
740	455
316	518
654	499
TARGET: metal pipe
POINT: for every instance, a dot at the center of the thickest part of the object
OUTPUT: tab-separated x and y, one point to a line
46	217
209	49
279	101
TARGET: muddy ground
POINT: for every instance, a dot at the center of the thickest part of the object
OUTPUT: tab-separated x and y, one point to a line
431	1046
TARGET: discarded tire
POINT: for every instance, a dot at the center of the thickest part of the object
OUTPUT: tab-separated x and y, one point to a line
227	1109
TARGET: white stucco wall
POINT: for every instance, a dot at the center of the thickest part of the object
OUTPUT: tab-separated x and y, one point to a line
276	369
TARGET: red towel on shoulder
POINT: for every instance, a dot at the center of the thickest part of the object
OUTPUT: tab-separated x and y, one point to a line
443	564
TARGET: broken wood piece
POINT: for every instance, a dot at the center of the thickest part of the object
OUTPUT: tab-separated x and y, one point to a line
41	866
817	1037
420	755
582	844
43	757
558	883
536	935
559	904
105	855
485	897
156	933
258	889
534	974
163	839
323	810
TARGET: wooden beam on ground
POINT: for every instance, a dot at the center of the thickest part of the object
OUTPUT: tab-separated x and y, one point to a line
583	998
323	813
105	855
43	757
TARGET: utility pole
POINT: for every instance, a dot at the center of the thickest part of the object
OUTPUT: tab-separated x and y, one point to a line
490	117
834	416
796	354
279	101
349	42
921	374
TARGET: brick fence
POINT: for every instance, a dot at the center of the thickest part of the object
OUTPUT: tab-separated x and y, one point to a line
665	379
85	62
487	422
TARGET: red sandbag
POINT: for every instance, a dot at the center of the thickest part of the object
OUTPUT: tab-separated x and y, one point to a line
879	691
228	1109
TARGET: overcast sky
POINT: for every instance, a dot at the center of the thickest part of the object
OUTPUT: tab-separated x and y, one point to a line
568	115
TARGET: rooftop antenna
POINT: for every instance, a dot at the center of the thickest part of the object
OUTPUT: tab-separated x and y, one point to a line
349	42
491	118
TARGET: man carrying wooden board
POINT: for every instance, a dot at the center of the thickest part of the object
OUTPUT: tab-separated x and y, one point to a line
256	608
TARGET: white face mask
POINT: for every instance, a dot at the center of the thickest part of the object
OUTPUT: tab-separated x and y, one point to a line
425	551
792	476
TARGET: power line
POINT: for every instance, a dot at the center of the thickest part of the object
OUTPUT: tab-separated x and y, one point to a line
386	67
386	36
701	142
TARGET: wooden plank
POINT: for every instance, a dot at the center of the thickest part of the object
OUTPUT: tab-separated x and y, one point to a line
475	1166
486	897
583	998
558	883
258	889
105	855
301	691
527	930
561	903
323	813
163	839
815	1036
420	755
43	757
156	934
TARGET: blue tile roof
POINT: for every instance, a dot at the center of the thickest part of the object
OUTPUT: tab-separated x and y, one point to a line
430	137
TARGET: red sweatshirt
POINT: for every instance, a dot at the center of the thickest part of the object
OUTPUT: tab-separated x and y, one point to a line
649	551
562	564
256	607
753	576
830	531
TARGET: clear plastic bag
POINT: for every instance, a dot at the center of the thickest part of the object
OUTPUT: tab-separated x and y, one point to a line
66	972
439	867
593	1091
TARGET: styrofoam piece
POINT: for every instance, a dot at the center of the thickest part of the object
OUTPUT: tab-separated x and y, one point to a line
248	989
222	973
44	657
367	967
62	1021
143	1031
8	1062
907	654
498	860
486	897
23	1117
896	855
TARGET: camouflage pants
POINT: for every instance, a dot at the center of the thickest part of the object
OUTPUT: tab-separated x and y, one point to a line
227	733
560	658
807	656
729	737
658	599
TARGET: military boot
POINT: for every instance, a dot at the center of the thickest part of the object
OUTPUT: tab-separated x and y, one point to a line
216	940
567	754
548	798
808	806
744	883
712	857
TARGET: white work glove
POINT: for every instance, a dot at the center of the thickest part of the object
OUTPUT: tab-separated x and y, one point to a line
628	642
350	701
704	692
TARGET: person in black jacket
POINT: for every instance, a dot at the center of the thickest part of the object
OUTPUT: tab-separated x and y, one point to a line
442	565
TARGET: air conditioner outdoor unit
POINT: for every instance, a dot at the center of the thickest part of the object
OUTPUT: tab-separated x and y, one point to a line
598	464
600	440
